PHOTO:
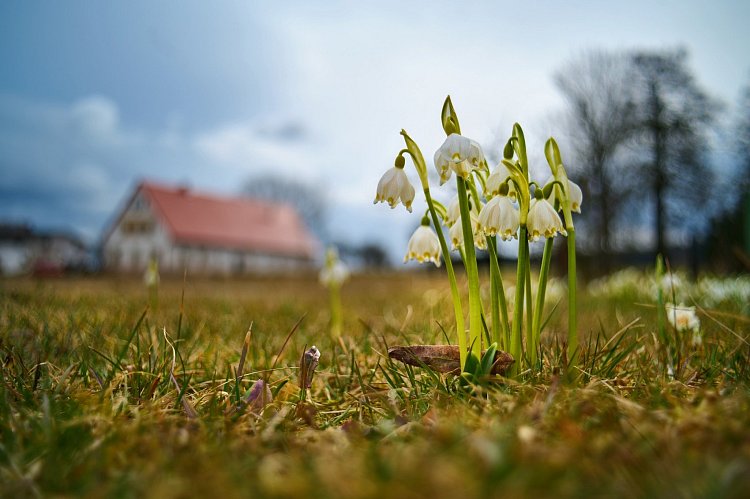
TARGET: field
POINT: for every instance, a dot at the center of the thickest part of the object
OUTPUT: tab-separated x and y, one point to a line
110	392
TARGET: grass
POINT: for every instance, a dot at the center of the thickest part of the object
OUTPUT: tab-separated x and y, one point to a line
88	406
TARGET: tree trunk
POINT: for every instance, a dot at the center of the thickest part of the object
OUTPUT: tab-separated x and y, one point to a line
660	177
604	211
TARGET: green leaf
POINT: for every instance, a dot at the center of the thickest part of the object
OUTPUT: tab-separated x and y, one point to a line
488	359
552	153
472	365
449	118
520	145
415	152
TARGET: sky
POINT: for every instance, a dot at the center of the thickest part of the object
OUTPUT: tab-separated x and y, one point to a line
95	96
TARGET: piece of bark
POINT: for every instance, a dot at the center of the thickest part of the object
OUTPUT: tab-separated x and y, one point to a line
443	358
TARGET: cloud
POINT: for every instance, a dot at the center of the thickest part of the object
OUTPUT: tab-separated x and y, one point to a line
71	165
258	147
97	117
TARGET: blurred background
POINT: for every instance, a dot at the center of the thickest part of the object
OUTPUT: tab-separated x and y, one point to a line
127	123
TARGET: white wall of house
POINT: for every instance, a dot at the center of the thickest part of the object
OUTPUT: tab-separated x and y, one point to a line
14	258
19	257
137	237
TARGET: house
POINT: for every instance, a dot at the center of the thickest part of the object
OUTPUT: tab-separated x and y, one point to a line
205	234
24	249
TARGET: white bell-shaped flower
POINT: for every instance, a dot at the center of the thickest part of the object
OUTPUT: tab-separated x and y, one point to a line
499	217
458	154
453	212
394	186
543	220
683	318
335	272
424	246
456	233
496	179
576	195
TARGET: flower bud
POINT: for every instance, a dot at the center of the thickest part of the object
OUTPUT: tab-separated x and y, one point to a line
400	161
307	365
508	150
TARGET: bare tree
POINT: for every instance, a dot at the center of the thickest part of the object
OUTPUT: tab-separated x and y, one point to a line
743	139
675	115
729	239
309	200
601	119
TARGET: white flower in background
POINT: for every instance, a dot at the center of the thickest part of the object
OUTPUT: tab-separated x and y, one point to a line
456	233
683	318
335	271
423	246
576	195
671	282
394	185
151	276
496	180
499	217
543	220
453	212
458	154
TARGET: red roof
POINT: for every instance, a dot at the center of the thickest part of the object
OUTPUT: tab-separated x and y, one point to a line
232	223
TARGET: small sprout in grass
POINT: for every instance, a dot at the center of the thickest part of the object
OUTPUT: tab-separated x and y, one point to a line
307	365
259	395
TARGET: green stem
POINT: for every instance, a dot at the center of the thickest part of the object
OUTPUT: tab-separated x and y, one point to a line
335	294
515	338
457	309
529	309
572	307
470	262
499	306
540	296
501	295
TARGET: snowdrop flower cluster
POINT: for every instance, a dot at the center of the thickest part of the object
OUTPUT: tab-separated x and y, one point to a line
500	205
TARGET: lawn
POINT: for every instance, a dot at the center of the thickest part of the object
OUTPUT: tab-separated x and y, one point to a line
109	392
